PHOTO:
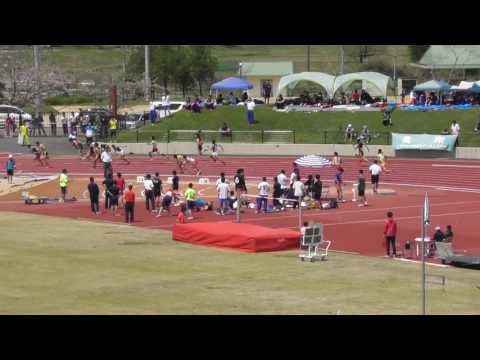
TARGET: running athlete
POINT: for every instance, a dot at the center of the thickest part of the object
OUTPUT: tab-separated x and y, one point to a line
36	153
154	148
199	141
381	161
98	154
193	163
336	161
180	162
339	183
215	147
43	154
360	153
118	150
91	151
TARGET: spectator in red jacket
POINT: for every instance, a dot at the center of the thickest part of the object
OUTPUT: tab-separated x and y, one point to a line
390	232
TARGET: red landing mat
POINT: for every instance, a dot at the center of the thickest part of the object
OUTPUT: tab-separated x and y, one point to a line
241	237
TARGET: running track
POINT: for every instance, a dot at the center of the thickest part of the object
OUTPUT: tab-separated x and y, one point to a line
452	185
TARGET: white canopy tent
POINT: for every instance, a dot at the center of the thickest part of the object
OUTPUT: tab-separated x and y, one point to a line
324	80
375	83
372	82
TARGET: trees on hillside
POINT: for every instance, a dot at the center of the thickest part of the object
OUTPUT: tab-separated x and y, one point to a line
176	65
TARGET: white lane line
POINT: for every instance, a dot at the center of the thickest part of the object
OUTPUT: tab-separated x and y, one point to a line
419	262
456	166
458	190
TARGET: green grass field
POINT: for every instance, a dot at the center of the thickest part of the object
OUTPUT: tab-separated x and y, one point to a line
316	127
60	266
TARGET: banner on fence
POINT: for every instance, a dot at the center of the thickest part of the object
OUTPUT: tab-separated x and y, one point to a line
423	142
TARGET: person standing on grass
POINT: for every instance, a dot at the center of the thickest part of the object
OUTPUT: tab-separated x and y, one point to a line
262	199
149	196
120	182
390	233
129	197
106	158
63	184
10	168
113	128
455	130
375	171
190	196
361	189
94	193
223	189
251	111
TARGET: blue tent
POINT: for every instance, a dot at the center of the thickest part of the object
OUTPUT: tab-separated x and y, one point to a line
232	83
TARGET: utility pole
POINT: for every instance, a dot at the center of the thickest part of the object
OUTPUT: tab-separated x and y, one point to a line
36	72
342	59
147	72
308	58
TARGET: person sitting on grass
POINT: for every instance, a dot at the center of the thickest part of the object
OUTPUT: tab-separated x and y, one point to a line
225	130
209	104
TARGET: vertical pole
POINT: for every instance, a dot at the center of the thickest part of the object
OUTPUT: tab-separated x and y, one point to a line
147	72
423	262
300	212
36	68
238	206
308	58
342	60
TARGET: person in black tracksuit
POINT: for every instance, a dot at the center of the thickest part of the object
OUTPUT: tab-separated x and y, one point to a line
240	186
108	184
277	193
94	193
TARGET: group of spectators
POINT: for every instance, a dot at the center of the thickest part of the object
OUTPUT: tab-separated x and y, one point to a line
450	98
285	191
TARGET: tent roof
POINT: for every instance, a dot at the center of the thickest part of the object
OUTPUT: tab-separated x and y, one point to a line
267	68
451	57
378	80
331	83
432	85
322	79
467	86
232	83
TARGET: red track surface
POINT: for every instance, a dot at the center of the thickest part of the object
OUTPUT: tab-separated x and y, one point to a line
453	189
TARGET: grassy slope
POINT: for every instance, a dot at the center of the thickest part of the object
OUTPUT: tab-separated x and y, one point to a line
123	270
310	128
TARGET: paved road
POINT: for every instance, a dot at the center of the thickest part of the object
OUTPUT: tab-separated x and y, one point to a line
55	145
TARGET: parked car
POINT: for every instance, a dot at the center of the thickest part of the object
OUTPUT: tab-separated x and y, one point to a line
14	112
